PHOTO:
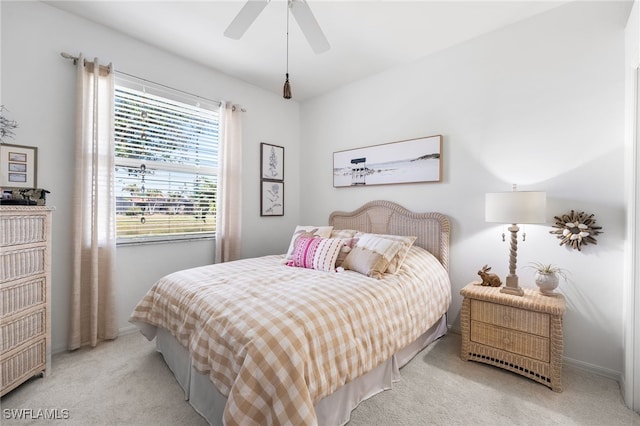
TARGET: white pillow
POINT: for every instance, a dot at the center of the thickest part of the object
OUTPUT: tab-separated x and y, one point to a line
387	247
343	233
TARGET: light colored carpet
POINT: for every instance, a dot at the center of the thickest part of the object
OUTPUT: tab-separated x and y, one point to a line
125	382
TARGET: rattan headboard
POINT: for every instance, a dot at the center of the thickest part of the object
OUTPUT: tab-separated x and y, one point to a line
385	217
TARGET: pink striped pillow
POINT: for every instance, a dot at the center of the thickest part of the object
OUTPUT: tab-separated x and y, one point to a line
316	253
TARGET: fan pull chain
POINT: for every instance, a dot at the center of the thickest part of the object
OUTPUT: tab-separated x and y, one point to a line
286	91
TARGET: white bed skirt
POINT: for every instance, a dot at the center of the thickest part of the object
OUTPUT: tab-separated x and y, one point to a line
334	409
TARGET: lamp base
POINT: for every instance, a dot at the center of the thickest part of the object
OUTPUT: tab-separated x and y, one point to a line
511	286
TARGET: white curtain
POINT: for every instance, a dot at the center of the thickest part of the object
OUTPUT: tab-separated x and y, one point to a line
229	203
93	315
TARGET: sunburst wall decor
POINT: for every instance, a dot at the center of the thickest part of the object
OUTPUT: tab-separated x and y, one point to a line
575	229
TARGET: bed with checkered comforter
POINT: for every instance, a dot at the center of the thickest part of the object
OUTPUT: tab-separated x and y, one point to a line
275	339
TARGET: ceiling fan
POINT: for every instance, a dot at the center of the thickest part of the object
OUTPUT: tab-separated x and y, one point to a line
300	11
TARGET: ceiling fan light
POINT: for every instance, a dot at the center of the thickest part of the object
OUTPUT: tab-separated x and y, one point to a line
286	91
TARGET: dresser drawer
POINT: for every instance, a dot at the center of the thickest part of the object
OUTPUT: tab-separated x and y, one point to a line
22	365
20	330
16	264
513	341
510	317
24	295
22	229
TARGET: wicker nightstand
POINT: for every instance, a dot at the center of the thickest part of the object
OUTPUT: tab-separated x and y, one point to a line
522	334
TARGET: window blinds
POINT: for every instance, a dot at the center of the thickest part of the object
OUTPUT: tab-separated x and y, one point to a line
166	156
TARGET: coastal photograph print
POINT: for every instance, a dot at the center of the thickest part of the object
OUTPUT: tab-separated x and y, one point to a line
409	161
271	161
18	166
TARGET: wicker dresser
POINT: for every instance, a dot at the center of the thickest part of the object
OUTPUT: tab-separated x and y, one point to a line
25	294
522	334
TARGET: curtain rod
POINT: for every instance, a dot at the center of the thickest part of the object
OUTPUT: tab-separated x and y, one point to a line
103	67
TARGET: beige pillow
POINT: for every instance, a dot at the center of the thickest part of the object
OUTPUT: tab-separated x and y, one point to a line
345	249
307	231
398	259
366	262
371	255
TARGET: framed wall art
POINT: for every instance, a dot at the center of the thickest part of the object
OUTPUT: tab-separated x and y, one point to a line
409	161
271	162
18	166
271	198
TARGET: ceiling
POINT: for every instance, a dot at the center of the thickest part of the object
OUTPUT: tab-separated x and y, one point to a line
366	37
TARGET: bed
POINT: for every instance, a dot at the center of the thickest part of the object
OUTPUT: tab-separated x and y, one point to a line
270	340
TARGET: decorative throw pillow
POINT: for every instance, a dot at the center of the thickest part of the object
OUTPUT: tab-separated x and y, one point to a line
343	233
366	262
309	231
347	245
371	255
316	253
398	259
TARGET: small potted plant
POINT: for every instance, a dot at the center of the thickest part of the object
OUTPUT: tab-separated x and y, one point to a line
547	277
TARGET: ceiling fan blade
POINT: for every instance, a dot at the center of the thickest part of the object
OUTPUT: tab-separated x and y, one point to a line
309	26
245	18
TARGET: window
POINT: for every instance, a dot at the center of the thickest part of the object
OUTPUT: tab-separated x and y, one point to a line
166	162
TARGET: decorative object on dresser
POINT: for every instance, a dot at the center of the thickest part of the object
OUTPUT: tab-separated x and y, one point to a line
548	277
18	166
519	334
25	289
575	229
515	207
24	197
488	278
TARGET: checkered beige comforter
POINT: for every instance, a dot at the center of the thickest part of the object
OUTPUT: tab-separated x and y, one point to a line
276	339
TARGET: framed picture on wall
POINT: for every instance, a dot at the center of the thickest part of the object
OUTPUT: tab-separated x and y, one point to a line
18	166
271	161
413	160
271	198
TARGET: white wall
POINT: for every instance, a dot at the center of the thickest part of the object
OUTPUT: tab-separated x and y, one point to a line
37	85
540	104
631	383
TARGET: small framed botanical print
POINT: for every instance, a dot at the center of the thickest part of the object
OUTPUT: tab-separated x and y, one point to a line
271	161
271	198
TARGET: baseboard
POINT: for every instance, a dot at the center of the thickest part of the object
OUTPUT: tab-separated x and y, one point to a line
591	368
121	332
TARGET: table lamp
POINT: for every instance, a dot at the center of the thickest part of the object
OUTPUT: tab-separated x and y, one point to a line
515	207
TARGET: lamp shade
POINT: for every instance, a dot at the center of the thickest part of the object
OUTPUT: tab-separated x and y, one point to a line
516	207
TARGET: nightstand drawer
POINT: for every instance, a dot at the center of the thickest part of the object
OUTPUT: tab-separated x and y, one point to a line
510	317
510	340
